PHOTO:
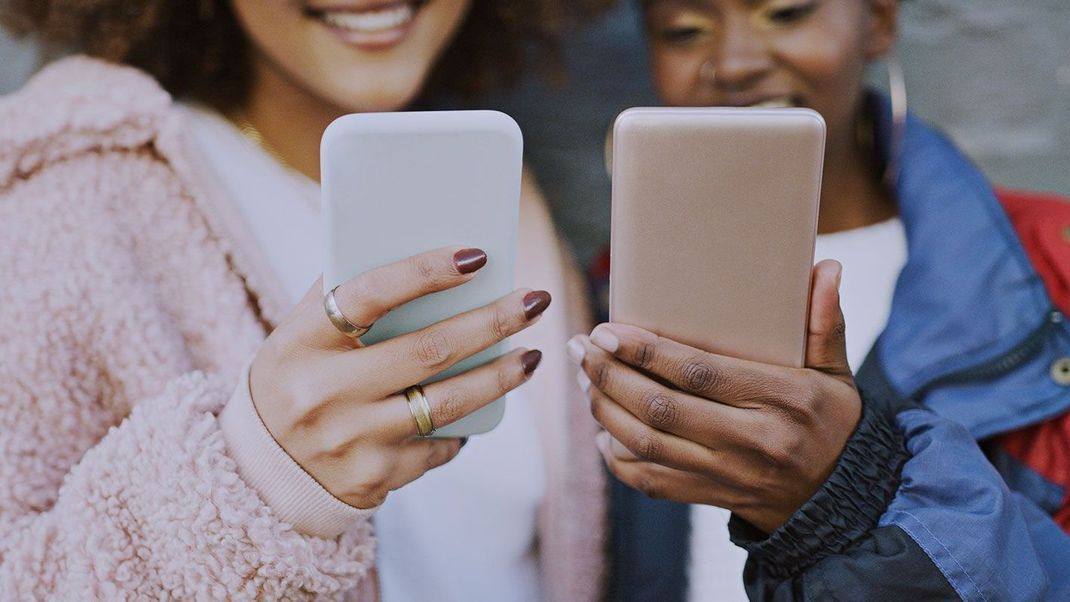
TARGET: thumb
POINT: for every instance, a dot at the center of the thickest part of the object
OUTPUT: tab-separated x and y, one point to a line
826	347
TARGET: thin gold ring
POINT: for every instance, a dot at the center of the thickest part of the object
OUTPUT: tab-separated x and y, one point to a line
420	410
339	320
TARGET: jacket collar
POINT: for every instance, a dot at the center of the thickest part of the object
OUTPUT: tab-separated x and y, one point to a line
968	294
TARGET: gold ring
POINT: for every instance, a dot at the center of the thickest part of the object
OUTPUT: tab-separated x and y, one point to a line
334	313
420	410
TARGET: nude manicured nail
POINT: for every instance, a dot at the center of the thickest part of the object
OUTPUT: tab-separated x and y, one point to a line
535	303
583	380
469	260
530	361
576	350
605	339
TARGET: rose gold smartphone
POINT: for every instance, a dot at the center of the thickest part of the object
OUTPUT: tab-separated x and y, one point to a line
714	219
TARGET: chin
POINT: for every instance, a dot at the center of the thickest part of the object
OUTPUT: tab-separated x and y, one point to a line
390	94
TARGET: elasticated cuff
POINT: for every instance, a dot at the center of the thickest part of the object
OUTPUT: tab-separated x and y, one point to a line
294	496
844	510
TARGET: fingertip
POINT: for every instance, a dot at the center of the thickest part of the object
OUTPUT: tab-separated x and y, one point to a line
576	349
583	381
601	440
604	337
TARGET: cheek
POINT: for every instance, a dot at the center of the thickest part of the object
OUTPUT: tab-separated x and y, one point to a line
828	64
676	77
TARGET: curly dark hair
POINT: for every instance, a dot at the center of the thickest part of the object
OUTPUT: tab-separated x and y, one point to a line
197	48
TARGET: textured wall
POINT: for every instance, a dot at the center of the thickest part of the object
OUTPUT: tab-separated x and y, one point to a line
996	76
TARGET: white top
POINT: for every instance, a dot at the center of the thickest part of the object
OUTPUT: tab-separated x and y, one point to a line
465	531
872	258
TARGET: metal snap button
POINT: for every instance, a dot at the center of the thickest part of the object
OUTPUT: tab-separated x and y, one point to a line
1060	371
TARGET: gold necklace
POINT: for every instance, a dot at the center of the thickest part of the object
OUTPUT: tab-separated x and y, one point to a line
251	133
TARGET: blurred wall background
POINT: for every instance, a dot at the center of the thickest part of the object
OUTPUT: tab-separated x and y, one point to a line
994	74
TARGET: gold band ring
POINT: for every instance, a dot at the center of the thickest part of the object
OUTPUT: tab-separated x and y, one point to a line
420	410
338	319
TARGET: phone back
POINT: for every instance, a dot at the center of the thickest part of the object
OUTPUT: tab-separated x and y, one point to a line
714	220
398	184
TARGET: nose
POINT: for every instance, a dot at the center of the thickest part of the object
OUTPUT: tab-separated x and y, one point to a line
741	58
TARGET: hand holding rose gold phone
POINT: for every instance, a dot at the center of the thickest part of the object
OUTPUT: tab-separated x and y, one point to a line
722	378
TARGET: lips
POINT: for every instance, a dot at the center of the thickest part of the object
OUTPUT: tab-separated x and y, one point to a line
368	24
371	21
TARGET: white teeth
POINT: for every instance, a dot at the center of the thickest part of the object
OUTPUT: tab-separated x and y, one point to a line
774	103
373	21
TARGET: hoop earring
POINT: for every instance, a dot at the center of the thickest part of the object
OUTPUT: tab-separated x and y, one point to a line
897	90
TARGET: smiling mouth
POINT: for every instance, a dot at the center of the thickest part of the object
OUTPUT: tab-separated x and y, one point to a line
367	24
783	102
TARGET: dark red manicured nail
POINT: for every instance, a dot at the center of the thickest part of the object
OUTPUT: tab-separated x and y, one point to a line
535	303
530	361
469	260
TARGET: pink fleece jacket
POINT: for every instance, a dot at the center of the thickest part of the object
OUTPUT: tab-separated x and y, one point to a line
128	308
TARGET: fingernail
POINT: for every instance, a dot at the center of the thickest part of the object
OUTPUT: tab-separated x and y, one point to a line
464	441
839	277
469	260
605	339
583	380
576	350
602	441
535	303
530	360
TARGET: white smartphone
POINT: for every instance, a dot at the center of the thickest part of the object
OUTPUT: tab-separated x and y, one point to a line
398	184
714	221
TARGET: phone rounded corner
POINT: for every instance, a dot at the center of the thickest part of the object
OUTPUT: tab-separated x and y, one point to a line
506	125
816	117
332	131
626	119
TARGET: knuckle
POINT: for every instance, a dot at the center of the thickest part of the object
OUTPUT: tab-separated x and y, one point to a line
426	269
838	330
502	322
798	407
644	355
699	376
433	348
600	375
660	411
778	450
648	446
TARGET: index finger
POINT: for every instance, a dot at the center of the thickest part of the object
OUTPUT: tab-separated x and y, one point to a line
732	381
370	295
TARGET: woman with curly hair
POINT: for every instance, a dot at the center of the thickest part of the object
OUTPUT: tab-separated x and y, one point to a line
179	418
